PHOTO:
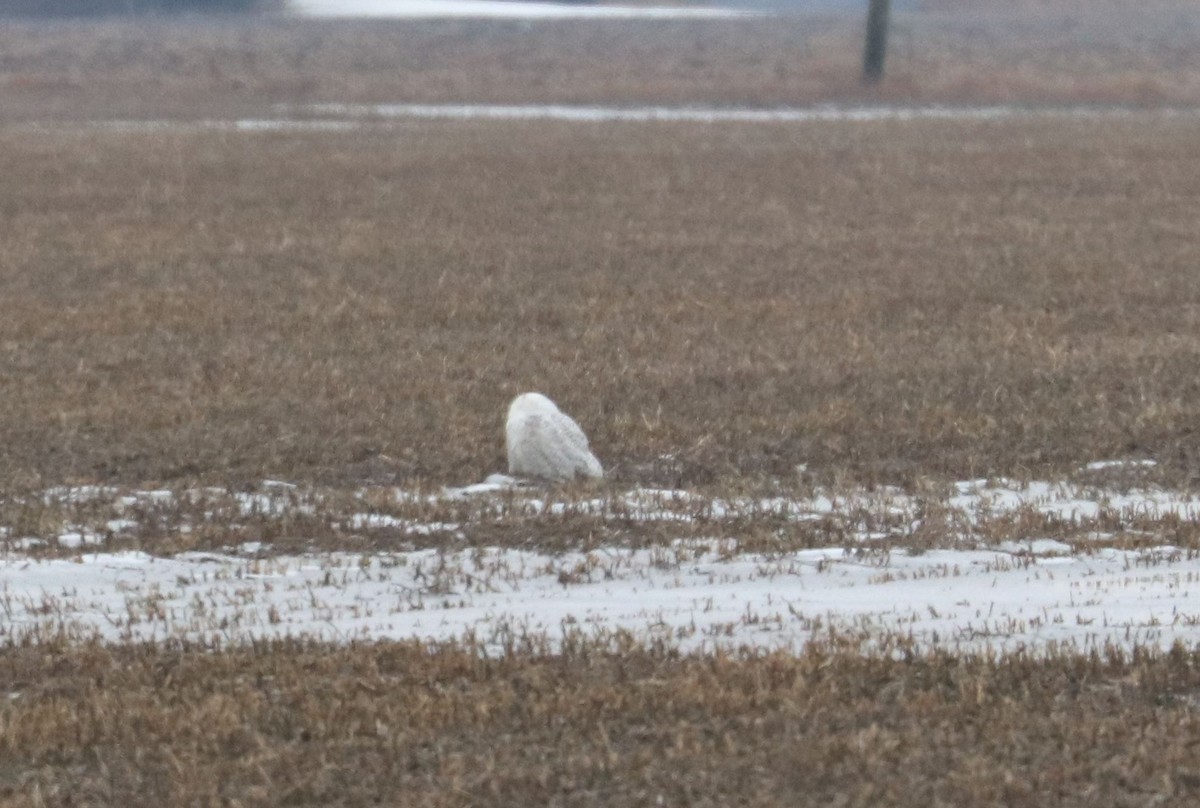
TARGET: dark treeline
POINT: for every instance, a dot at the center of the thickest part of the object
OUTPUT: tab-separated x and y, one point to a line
96	8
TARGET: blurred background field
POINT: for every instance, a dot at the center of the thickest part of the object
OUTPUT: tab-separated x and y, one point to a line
194	66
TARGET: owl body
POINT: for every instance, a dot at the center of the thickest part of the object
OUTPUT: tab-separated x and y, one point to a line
545	443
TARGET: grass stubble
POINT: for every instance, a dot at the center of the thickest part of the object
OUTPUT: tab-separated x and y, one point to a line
718	305
610	722
724	308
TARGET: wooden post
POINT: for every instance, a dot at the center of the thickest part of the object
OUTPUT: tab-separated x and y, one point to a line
876	48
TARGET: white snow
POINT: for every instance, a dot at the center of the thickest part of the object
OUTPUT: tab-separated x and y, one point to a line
708	114
493	484
493	9
1109	464
1070	502
341	117
78	538
695	594
1039	593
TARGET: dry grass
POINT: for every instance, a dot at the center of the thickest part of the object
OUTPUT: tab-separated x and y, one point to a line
715	304
605	723
1118	54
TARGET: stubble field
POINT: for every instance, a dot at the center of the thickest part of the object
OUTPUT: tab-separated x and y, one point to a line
864	313
882	302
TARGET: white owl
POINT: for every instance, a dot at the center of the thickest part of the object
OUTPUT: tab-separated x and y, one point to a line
545	443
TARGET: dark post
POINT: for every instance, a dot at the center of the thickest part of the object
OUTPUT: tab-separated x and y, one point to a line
877	26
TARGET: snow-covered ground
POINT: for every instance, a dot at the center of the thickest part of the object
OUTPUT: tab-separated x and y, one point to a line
332	118
693	593
712	114
493	9
700	593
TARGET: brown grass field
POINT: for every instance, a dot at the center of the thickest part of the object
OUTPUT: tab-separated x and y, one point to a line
394	724
900	303
882	302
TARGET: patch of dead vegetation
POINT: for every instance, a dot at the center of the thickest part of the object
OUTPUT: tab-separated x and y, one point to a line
902	303
277	519
604	723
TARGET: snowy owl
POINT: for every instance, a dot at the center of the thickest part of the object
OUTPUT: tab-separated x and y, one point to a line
545	443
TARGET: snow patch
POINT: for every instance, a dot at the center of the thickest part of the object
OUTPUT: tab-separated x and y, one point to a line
695	594
701	114
703	594
78	538
1101	465
490	9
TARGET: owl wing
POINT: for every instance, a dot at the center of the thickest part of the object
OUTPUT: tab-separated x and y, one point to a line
576	447
552	446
